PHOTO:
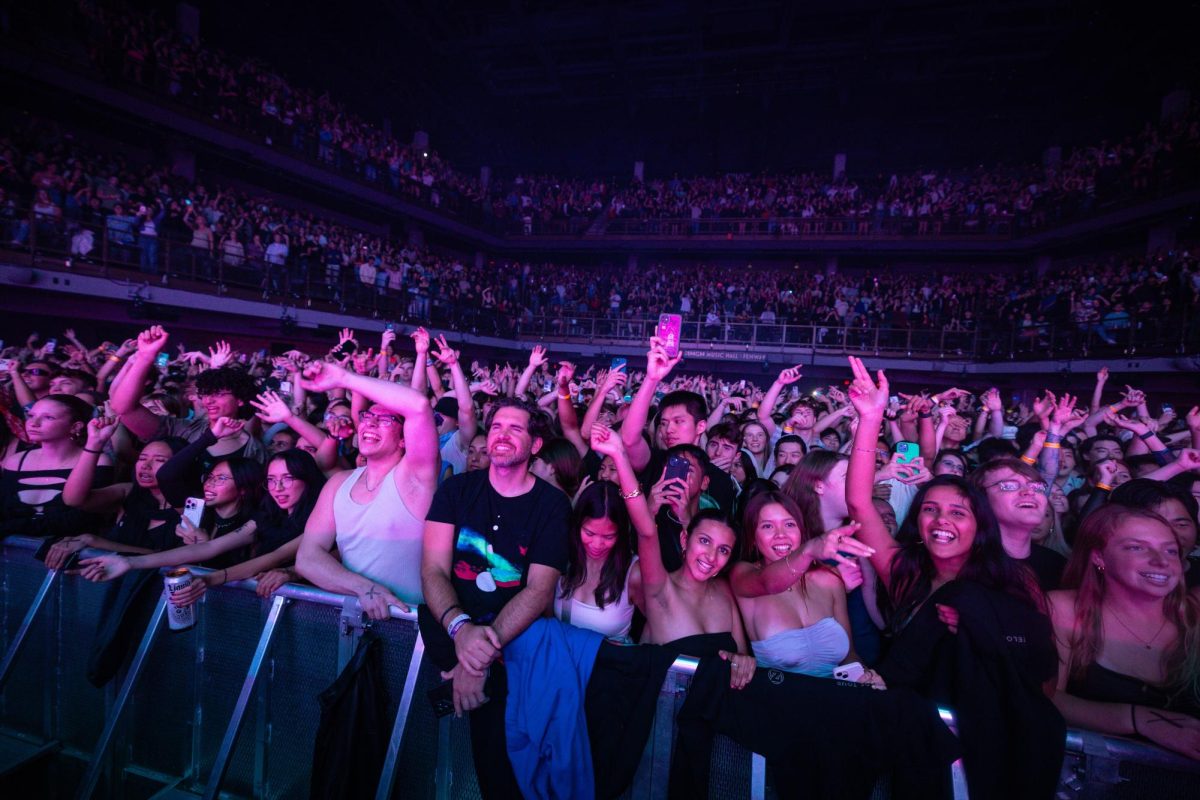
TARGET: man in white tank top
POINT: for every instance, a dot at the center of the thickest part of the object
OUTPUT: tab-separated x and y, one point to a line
374	514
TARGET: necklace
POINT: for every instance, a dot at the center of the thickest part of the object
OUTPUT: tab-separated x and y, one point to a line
367	482
1147	644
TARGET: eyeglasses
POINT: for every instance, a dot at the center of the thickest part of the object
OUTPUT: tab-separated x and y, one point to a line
219	480
382	420
343	418
1008	486
283	482
35	371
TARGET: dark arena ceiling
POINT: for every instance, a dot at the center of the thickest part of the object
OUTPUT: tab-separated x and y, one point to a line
577	87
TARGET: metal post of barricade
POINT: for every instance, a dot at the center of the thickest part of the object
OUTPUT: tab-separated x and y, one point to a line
14	647
758	776
443	776
213	787
95	766
388	776
958	772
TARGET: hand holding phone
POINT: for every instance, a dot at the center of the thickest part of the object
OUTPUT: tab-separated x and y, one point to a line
670	327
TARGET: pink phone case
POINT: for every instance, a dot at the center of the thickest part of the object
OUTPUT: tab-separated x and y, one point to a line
669	328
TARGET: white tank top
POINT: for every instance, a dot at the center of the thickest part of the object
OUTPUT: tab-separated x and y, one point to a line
613	621
382	539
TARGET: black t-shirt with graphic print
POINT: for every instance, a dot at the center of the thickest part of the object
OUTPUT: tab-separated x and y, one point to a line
496	538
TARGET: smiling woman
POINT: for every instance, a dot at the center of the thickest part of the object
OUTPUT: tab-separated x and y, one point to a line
1128	632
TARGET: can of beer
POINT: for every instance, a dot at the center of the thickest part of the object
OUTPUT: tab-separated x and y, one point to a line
179	617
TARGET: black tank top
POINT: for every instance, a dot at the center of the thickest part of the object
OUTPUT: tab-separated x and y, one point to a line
1108	686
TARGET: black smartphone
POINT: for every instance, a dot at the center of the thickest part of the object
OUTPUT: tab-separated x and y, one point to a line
441	697
678	467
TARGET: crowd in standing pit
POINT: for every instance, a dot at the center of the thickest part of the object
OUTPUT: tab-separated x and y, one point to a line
956	548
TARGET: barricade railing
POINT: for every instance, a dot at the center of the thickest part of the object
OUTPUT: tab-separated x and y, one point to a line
239	718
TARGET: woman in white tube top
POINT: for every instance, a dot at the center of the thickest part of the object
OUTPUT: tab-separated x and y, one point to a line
794	607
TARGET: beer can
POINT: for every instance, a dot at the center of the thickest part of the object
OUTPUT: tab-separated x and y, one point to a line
179	617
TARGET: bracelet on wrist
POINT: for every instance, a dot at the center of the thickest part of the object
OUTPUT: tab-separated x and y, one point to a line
1104	487
442	621
1053	437
923	415
562	396
1147	435
1028	460
1114	409
90	450
1052	446
456	624
631	495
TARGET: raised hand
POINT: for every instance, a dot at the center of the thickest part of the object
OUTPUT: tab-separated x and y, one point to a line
838	545
386	339
566	371
538	357
991	400
420	339
659	364
789	376
219	356
445	353
1131	398
225	427
362	361
1102	375
346	335
151	341
100	430
271	408
605	441
867	396
322	376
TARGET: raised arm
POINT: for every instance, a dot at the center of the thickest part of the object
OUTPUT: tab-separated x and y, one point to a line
77	491
420	381
468	425
272	409
537	358
786	378
568	419
658	367
995	412
756	580
605	383
126	393
1098	390
869	399
421	456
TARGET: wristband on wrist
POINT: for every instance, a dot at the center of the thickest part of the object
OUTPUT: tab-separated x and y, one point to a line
1051	438
1114	409
564	396
1052	446
1147	435
1028	460
442	621
456	624
1104	487
924	415
97	452
631	495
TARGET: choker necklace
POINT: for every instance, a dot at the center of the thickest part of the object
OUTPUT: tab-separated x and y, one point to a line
1147	644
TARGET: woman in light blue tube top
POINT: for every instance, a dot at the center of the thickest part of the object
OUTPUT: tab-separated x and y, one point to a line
793	606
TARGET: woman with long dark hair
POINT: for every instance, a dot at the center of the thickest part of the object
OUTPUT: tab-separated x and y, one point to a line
1128	632
270	537
594	591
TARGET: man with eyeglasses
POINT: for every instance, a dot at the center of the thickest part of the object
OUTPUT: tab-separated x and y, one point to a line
1018	496
224	393
375	514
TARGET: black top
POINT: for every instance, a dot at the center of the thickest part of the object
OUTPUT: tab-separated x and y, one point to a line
496	538
1047	565
51	518
1107	686
144	524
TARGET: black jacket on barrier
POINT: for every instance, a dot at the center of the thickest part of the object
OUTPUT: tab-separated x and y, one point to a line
991	673
352	737
822	738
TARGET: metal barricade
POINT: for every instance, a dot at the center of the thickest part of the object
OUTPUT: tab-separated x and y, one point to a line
229	706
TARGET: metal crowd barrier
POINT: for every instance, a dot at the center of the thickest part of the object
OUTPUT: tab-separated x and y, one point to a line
229	707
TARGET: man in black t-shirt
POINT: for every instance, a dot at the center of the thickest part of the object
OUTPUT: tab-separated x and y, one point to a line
495	545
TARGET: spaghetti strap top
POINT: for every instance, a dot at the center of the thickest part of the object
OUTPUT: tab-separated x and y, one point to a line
382	539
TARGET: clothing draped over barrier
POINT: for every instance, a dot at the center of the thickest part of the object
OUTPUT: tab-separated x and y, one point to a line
247	707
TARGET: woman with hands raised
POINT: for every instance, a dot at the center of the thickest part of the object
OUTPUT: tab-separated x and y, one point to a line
691	609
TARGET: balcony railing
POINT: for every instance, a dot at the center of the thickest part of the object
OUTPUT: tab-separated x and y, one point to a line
310	281
836	227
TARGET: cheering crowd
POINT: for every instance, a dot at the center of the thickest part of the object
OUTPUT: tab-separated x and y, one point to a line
851	555
140	48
